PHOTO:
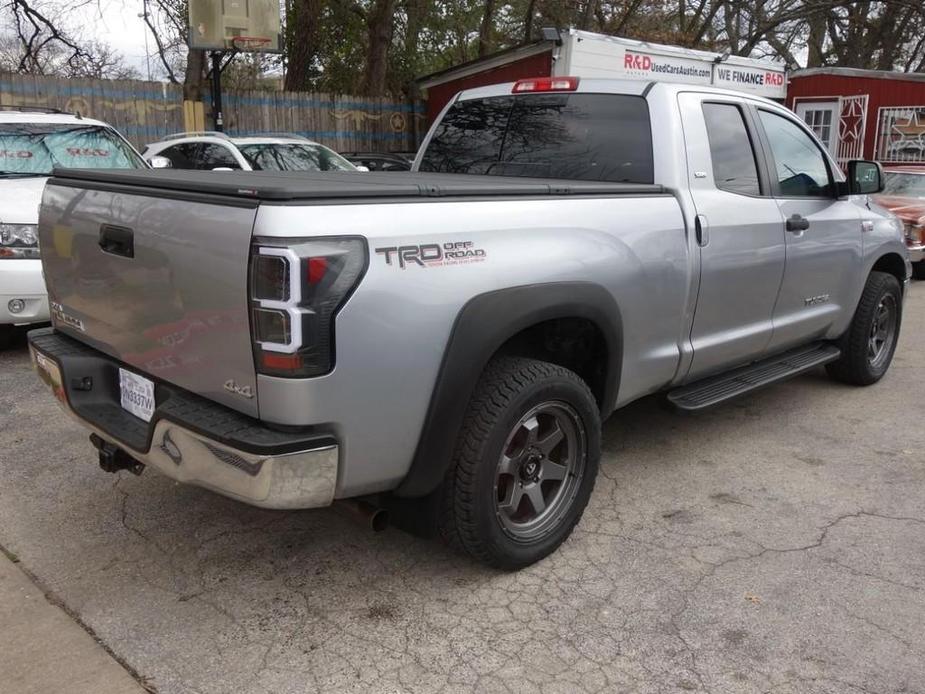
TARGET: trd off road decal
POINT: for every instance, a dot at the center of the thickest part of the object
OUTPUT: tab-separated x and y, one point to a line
433	254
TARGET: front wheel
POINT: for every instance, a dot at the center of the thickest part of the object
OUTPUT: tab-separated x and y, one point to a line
6	336
870	341
918	270
524	465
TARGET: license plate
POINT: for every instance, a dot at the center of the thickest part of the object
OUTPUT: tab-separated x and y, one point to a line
137	394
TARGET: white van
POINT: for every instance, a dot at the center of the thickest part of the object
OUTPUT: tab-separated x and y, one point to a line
33	141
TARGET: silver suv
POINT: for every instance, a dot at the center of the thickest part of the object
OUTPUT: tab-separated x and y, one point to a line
215	151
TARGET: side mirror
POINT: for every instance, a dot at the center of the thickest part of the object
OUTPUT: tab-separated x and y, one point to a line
363	168
223	168
159	162
864	177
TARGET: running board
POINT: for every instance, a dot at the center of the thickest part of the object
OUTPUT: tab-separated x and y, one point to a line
716	389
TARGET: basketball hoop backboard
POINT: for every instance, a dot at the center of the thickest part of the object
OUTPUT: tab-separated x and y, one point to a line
241	25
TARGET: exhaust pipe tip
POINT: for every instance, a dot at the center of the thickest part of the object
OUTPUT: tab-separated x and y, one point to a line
379	520
365	513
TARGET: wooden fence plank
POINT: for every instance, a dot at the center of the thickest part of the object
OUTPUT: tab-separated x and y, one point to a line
146	111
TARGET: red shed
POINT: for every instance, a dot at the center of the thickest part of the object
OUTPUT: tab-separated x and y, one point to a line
863	114
528	60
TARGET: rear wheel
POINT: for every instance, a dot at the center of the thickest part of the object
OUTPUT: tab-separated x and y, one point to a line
524	464
918	270
870	341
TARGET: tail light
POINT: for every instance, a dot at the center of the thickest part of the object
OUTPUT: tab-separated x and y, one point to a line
545	84
297	287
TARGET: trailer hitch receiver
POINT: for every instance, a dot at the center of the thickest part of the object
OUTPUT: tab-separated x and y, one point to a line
113	458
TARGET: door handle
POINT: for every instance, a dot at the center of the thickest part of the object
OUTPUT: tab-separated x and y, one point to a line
701	230
797	223
117	240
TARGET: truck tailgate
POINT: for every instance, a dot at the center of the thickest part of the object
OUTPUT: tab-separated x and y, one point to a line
157	282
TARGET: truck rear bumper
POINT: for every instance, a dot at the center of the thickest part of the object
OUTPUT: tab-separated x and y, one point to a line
189	439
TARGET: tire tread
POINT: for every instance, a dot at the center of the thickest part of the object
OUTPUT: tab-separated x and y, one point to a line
502	381
852	367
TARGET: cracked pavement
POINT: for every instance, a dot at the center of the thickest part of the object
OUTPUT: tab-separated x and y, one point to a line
773	544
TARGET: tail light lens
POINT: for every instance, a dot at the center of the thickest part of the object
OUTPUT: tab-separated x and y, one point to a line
545	84
297	287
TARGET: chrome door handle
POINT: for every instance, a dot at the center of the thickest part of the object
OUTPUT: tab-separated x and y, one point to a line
797	223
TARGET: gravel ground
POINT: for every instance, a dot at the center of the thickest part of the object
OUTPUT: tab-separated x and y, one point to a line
774	544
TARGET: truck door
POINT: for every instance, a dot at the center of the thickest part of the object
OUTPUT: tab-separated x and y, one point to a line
823	234
739	234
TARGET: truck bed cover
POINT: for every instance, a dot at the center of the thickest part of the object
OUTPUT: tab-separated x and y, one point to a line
313	186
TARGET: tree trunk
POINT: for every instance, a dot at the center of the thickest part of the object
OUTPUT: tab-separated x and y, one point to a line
302	22
815	45
486	27
528	21
586	13
194	78
380	22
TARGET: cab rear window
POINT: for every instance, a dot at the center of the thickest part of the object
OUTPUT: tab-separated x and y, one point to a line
596	137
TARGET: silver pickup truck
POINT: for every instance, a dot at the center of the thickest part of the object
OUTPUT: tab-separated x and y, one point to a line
449	340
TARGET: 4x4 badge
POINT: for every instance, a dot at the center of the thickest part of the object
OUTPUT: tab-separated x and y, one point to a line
232	387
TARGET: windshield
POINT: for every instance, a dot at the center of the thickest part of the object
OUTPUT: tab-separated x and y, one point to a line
907	184
596	137
30	149
294	157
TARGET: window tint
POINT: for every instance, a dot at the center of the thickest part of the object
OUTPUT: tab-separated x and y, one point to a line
799	163
469	138
213	156
734	167
597	137
181	156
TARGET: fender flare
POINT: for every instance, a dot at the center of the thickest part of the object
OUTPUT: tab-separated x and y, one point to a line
482	326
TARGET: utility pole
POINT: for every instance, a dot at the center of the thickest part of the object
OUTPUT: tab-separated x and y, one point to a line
144	17
217	121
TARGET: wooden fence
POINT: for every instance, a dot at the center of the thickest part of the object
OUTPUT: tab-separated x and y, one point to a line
146	111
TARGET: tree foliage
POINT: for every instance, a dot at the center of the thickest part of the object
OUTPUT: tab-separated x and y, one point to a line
378	47
34	39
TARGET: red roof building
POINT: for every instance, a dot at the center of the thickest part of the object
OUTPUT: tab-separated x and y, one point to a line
863	114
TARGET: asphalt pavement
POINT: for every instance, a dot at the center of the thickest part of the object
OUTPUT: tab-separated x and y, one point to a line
773	544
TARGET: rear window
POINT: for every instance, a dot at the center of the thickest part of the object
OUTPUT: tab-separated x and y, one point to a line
593	137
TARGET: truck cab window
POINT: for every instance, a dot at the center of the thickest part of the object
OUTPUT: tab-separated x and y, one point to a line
591	137
469	138
734	166
799	164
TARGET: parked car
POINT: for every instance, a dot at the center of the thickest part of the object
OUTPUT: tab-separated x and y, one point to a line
32	142
904	195
447	344
218	152
377	161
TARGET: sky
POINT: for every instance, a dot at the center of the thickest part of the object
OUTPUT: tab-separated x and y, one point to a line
117	23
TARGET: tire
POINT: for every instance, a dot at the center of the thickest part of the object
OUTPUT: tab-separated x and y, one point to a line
509	459
870	341
918	270
6	336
